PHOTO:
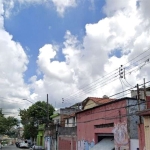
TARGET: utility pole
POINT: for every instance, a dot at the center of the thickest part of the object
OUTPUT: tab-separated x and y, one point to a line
145	92
56	135
47	110
138	100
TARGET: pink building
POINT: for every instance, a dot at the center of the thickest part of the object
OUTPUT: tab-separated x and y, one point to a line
110	125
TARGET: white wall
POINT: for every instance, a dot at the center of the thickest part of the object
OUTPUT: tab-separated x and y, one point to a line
134	94
56	119
70	122
134	144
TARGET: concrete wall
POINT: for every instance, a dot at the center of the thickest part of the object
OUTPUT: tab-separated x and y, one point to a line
67	130
133	119
67	111
103	115
134	94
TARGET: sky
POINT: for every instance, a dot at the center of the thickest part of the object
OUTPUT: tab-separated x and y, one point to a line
71	50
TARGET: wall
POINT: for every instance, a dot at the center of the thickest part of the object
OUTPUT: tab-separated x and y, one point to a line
67	138
40	138
56	119
67	130
68	111
141	136
148	102
133	119
67	142
89	104
134	144
71	122
134	94
147	131
102	116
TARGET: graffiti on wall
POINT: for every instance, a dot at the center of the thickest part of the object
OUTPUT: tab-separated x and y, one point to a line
85	145
120	135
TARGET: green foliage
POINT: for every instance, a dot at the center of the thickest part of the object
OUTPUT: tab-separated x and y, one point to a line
33	116
6	123
30	131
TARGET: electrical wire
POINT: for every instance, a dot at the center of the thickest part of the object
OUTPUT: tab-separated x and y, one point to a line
129	72
113	97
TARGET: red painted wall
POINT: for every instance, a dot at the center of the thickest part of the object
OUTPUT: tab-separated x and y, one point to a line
67	143
141	136
86	120
148	102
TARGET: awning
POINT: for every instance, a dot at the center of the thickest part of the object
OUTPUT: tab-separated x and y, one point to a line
105	144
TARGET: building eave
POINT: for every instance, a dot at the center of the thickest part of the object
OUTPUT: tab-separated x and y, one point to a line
115	101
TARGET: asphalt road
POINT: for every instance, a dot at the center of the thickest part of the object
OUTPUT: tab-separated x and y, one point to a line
12	147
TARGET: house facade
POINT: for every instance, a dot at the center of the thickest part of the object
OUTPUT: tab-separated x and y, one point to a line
40	135
70	121
60	115
115	122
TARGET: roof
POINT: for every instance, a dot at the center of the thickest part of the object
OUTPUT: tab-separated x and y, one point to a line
107	103
72	115
97	100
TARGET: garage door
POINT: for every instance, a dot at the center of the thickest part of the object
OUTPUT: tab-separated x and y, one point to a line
105	144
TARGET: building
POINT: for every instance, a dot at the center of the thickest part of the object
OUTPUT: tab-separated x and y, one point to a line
90	102
67	136
144	126
40	135
60	115
70	121
141	93
64	136
113	124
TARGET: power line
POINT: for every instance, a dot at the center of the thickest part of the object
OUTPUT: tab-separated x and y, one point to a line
127	90
73	95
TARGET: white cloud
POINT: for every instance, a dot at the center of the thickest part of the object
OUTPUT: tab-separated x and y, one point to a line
13	64
124	29
61	5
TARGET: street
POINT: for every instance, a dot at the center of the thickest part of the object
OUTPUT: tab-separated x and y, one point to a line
12	147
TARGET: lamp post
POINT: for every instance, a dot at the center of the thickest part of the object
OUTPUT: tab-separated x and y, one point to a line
36	105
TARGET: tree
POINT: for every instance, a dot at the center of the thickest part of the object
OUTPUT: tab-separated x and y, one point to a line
6	123
33	116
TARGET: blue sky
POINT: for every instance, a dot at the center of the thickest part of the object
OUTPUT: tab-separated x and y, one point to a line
36	25
66	48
